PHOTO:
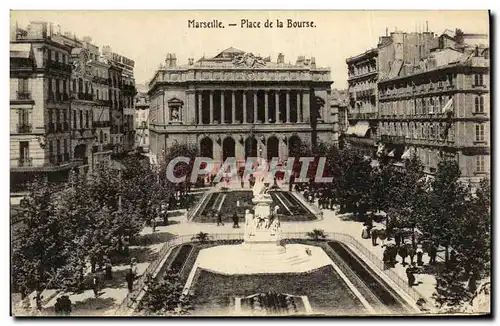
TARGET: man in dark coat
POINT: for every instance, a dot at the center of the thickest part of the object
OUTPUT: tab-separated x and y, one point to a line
95	285
374	235
130	280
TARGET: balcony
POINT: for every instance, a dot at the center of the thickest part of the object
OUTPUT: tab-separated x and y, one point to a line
393	139
101	124
23	96
85	96
108	147
61	97
104	102
24	129
57	66
362	116
25	161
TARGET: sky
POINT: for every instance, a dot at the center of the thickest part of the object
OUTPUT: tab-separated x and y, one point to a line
147	36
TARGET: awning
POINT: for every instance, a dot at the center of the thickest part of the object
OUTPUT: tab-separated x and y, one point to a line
448	106
362	128
351	130
407	154
20	50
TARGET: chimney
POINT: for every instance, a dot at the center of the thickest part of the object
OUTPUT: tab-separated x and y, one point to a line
191	61
281	58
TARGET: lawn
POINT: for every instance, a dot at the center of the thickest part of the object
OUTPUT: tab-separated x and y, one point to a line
227	202
327	293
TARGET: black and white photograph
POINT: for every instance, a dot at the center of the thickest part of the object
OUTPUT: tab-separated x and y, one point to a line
250	163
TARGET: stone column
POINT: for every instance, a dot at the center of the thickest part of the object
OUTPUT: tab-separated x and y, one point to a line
191	108
299	107
326	108
211	106
266	106
233	108
254	106
283	151
167	110
288	106
277	108
222	107
200	120
244	107
306	107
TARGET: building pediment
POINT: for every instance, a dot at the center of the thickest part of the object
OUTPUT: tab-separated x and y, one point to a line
175	102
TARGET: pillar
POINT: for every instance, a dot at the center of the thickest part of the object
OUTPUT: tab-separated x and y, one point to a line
191	108
299	107
326	106
288	106
277	106
200	96
222	107
266	106
306	111
254	106
233	104
283	150
244	107
211	106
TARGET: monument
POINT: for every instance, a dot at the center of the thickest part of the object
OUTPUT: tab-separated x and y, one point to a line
263	225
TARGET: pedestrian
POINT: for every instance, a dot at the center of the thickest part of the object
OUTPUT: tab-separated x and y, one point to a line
365	234
386	258
130	280
420	254
95	285
58	307
453	258
38	299
410	276
403	253
219	219
66	305
471	283
133	267
382	235
235	221
432	251
397	237
153	224
374	237
108	273
411	253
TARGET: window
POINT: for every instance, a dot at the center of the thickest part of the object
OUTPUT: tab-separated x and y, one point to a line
478	80
81	119
74	85
23	85
65	90
86	119
144	140
65	148
431	105
57	86
57	56
58	146
80	85
51	148
480	132
101	136
105	137
24	150
24	118
74	120
479	104
480	163
58	116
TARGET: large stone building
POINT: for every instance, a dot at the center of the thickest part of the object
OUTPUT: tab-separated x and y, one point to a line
60	104
239	105
431	99
141	120
124	90
40	114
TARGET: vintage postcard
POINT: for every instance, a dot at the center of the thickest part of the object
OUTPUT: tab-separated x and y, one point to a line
250	163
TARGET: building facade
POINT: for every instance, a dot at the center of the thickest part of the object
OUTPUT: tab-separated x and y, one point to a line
240	105
125	90
363	97
60	102
441	108
431	100
141	122
339	107
40	109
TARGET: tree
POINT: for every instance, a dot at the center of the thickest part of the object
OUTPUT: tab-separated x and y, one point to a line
39	250
445	205
316	234
201	237
451	293
165	296
180	169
